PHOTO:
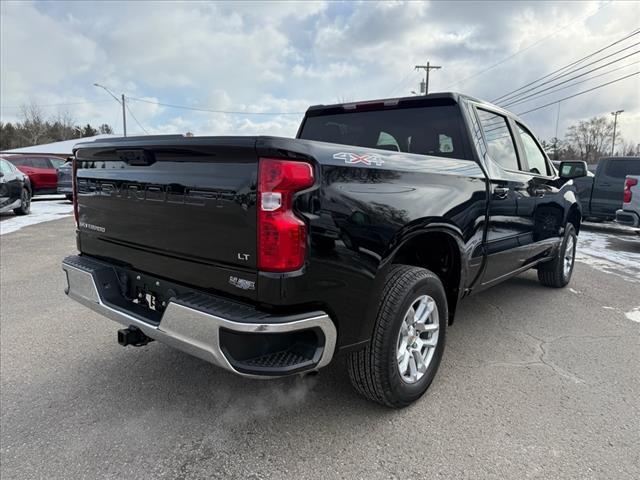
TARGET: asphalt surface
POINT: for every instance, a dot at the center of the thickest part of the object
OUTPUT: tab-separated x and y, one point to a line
535	383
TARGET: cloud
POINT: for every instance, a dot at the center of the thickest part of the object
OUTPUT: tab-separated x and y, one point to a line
284	56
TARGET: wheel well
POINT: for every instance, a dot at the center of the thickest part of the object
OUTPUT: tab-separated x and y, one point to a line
438	252
574	217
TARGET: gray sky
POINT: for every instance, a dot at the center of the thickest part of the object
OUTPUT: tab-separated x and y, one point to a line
283	57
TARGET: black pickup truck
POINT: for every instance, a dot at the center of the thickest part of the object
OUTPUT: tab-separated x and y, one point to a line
269	256
601	194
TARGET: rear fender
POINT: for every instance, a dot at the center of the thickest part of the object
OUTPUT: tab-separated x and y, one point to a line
400	240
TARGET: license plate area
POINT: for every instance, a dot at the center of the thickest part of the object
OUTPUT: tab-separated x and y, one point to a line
149	293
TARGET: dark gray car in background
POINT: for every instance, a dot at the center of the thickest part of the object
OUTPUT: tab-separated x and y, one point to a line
65	177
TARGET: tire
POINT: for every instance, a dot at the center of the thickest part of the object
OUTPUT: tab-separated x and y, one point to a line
375	371
557	273
25	203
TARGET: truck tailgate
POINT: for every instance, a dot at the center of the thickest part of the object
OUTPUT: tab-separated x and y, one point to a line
180	208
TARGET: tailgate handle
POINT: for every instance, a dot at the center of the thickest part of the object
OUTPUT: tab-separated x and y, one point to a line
136	157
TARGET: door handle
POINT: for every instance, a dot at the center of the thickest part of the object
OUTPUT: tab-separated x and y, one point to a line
501	192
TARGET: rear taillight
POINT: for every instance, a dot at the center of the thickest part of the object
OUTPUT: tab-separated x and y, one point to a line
282	236
628	183
74	187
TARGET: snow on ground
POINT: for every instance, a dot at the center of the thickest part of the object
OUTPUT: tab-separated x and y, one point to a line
634	315
41	211
614	253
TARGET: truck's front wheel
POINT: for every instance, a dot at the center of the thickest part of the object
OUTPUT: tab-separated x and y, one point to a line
557	272
400	362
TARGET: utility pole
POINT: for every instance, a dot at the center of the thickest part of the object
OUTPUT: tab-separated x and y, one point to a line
615	122
124	117
121	102
555	138
427	68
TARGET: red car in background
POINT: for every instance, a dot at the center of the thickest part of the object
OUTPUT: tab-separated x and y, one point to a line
41	171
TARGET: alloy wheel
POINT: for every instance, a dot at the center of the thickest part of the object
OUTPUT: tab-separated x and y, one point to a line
417	339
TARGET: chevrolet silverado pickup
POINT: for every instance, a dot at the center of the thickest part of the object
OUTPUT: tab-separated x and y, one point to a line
601	194
271	256
629	214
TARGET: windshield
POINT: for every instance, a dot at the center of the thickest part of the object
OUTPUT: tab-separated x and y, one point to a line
433	130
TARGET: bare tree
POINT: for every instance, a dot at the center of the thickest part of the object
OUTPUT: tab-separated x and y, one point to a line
63	126
628	148
591	138
35	128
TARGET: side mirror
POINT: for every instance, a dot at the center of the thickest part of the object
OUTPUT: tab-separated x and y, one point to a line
573	169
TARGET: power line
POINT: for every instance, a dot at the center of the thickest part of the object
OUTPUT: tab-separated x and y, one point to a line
540	94
402	82
579	93
634	32
521	99
134	117
202	109
576	69
528	47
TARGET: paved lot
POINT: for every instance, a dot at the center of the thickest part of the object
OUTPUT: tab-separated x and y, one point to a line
535	383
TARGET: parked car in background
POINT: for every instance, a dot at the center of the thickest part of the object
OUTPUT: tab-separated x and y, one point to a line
601	193
629	214
41	171
65	179
15	189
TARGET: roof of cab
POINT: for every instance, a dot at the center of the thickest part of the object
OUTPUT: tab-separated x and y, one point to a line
439	98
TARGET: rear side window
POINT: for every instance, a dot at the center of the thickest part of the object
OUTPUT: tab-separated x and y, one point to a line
40	162
500	145
427	130
623	167
535	157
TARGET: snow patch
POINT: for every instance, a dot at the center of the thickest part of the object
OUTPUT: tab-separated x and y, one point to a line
599	250
41	211
633	315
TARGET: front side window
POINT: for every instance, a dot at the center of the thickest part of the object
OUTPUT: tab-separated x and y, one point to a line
535	157
21	161
500	145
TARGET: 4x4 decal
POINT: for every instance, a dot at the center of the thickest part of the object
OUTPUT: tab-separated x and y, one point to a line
353	158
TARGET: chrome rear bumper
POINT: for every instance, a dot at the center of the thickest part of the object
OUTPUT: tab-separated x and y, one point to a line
193	330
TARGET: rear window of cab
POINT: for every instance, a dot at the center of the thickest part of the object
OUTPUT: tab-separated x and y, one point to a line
431	130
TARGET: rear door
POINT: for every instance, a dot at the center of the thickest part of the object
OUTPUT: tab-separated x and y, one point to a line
511	204
609	184
47	176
